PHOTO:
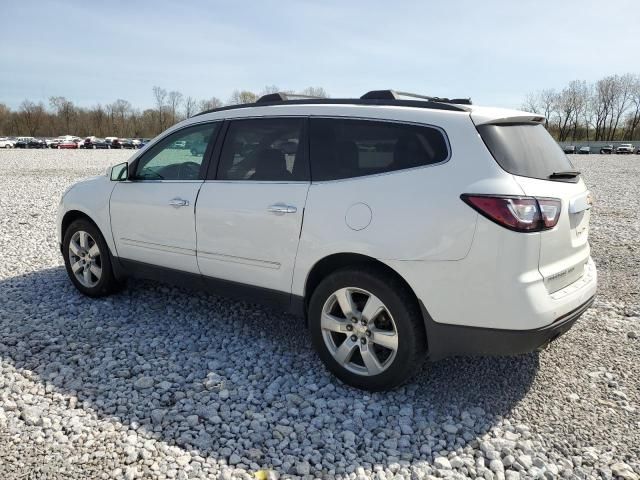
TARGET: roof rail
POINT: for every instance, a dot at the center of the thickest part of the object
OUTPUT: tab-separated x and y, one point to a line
284	97
421	103
395	95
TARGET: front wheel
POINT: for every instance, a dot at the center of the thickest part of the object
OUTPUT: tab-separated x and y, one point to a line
367	328
87	260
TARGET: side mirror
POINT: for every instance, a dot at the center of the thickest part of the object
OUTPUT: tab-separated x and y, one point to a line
120	172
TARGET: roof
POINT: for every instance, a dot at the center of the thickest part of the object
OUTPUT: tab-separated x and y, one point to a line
480	115
374	97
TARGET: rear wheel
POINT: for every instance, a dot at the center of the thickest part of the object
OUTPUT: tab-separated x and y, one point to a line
367	328
87	259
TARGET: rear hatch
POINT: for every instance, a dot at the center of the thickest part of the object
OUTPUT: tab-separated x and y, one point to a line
540	167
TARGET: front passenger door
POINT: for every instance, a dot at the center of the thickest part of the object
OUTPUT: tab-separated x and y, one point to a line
153	213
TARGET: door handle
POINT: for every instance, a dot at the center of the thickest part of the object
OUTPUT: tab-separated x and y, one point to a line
281	208
178	202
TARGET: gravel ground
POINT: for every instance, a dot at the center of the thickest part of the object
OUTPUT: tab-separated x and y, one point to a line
157	382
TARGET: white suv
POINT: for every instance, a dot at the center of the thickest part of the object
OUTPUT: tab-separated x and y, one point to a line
398	228
624	148
7	143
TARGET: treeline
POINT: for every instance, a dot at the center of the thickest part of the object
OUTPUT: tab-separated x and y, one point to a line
606	110
119	119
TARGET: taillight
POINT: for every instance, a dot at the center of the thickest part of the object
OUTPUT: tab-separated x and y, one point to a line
521	214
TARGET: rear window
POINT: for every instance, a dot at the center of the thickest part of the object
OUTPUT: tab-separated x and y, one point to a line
348	148
525	150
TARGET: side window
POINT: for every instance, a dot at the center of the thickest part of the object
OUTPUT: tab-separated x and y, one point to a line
264	149
178	156
346	148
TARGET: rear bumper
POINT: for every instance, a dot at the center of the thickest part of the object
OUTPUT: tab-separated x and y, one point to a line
445	340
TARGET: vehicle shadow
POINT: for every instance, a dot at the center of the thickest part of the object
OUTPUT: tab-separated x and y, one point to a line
153	356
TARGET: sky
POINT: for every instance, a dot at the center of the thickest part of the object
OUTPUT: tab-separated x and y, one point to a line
492	51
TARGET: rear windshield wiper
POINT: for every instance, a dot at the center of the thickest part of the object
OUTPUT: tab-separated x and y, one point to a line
565	174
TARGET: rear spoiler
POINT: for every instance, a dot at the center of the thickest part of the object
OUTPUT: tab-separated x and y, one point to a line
501	116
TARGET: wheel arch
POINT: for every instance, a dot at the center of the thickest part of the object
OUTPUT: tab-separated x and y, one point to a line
331	263
73	215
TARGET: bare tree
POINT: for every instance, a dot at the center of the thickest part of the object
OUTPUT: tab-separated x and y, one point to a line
564	111
239	97
174	100
65	111
622	94
578	96
547	101
160	95
189	107
120	112
31	116
315	92
98	119
210	104
270	89
633	119
5	119
531	103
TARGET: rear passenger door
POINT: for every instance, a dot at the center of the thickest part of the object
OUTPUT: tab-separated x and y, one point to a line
250	209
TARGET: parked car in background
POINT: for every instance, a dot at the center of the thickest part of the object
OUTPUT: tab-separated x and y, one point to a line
624	148
198	149
586	150
126	143
569	149
497	225
29	142
68	144
7	143
94	143
113	142
638	151
180	144
606	149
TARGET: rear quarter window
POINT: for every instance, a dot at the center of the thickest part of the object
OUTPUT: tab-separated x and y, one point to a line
347	148
525	150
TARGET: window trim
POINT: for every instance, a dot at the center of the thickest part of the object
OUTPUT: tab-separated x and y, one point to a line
206	157
213	171
381	120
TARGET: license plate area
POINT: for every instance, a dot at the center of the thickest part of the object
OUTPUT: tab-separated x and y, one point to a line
565	277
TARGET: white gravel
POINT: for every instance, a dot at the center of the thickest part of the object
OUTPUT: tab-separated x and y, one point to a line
157	382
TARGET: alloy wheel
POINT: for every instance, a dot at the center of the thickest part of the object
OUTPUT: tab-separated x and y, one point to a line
85	259
359	331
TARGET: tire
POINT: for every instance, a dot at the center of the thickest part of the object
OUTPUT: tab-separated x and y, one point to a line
398	314
94	285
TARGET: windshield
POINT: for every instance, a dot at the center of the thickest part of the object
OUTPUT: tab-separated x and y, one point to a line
524	149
